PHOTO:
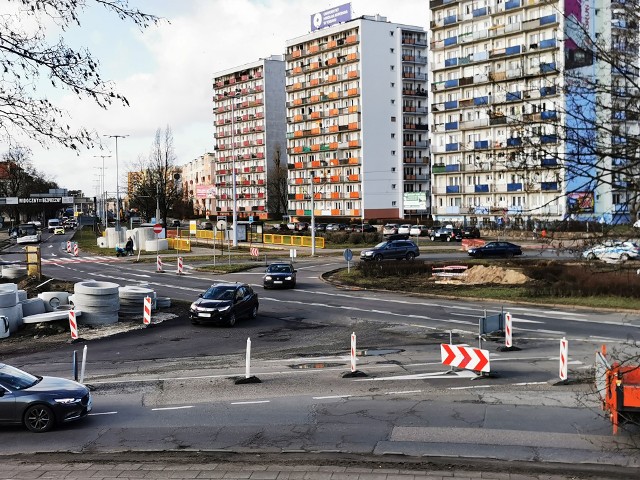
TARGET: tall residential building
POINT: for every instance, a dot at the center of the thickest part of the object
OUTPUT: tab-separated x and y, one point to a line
357	121
249	107
197	183
497	110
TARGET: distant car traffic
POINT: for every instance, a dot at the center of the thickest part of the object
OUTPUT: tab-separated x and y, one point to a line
496	249
394	249
447	234
40	403
613	251
279	275
224	303
419	231
404	229
58	231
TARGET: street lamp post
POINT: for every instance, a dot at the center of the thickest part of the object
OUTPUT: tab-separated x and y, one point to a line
103	197
232	96
117	181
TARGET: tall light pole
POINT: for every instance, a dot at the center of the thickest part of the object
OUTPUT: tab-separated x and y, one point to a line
232	96
117	182
103	198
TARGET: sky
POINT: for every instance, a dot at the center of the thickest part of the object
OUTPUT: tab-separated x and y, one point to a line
166	74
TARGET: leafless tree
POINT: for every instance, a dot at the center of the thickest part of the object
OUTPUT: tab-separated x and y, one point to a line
277	194
29	53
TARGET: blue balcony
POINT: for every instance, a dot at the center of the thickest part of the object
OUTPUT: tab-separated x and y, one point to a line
548	19
619	184
514	96
512	50
548	139
481	144
451	83
450	41
549	162
453	189
621	208
481	211
544	91
451	104
515	210
452	168
514	187
548	67
550	43
618	140
481	188
514	142
619	162
451	62
450	19
549	115
511	4
481	101
479	12
546	186
451	147
451	126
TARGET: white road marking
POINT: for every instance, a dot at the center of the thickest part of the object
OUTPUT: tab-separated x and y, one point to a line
529	383
405	392
102	413
470	388
251	402
331	397
551	332
171	408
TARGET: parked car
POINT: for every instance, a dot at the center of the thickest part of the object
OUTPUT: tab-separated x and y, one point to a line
40	403
393	249
614	251
390	229
224	303
279	275
363	228
301	226
336	227
419	231
321	227
496	249
404	229
470	232
205	226
280	227
447	234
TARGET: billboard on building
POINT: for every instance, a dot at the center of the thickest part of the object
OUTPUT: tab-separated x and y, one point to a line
581	202
327	18
415	200
205	191
579	33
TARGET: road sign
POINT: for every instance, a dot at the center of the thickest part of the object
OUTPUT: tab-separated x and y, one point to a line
462	356
157	228
221	225
193	227
254	251
348	255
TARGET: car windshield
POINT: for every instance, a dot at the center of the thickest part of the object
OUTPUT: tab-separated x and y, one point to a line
279	269
16	379
219	292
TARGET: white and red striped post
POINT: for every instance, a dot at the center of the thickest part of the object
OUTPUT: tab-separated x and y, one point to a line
353	352
180	266
73	325
564	358
508	332
75	250
146	318
68	246
159	264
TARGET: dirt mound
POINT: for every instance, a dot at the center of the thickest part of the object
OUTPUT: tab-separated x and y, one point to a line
481	274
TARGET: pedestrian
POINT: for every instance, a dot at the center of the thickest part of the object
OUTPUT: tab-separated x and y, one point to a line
129	246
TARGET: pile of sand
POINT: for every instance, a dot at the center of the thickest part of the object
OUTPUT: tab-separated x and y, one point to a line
481	274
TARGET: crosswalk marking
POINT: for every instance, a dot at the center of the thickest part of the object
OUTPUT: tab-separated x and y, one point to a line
89	259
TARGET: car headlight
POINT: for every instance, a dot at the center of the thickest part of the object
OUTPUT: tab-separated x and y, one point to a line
66	401
224	309
368	253
268	277
288	278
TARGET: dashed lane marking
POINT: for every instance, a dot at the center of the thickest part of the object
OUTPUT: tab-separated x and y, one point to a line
184	407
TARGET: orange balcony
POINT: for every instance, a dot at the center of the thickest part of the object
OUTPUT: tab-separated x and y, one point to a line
297	86
297	70
354	178
314	65
356	213
316	114
335	212
354	194
352	91
297	118
354	143
351	39
299	212
333	94
314	49
299	196
353	126
352	74
317	196
315	164
332	44
298	133
315	131
333	145
332	61
333	128
334	111
354	161
298	165
315	148
334	162
335	195
299	181
332	78
317	179
297	149
313	99
354	109
297	101
314	82
352	56
296	53
334	178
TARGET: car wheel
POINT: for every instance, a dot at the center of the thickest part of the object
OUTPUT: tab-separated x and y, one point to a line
39	418
378	258
410	256
624	257
232	320
254	313
591	256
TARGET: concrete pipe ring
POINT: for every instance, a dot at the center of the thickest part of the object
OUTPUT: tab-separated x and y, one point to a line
96	288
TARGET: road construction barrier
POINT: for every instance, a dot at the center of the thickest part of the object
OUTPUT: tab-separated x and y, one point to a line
159	264
254	252
73	325
462	356
68	246
146	315
353	352
293	240
180	244
508	332
468	243
180	266
76	250
564	358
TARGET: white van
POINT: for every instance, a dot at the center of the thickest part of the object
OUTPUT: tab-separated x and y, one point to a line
52	223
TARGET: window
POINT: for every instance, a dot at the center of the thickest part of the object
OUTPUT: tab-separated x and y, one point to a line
393	186
393	204
392	50
393	169
393	135
393	119
393	67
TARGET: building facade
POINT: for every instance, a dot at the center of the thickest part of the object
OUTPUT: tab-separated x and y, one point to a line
249	108
357	137
197	184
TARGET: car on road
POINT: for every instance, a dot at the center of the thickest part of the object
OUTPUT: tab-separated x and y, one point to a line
279	275
613	251
58	231
470	232
390	229
40	403
224	303
391	249
419	231
447	234
496	249
404	229
52	223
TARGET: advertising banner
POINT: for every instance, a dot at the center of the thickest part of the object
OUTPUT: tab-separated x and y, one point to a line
415	200
327	18
205	191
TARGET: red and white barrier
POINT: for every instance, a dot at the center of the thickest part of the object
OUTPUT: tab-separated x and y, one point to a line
465	357
146	318
75	250
73	325
159	264
180	266
508	332
564	358
68	246
254	251
353	352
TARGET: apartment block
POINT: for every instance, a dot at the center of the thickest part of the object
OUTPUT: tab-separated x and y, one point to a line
356	110
496	113
249	108
197	183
